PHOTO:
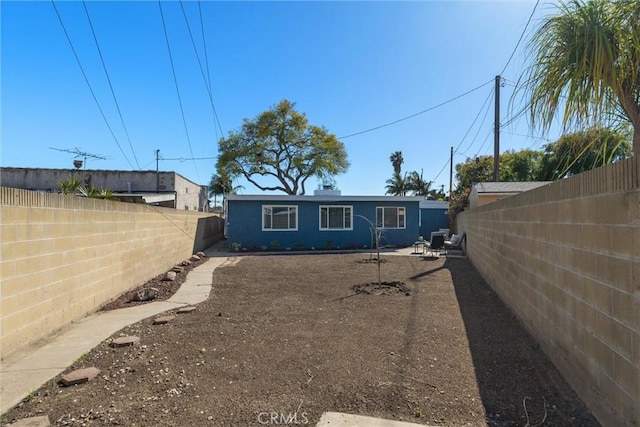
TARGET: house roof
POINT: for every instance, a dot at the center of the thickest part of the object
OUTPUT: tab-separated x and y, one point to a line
507	187
322	198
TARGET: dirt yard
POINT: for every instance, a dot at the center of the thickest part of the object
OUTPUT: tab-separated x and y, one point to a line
284	338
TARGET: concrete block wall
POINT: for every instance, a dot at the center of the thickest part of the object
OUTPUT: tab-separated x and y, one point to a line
566	259
62	257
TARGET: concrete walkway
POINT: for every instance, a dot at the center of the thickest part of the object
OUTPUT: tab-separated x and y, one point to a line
27	370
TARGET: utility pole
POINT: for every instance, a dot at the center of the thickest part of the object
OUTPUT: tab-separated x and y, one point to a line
496	134
451	174
157	171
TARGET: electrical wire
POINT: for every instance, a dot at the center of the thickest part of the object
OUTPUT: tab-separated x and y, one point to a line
86	79
175	80
418	113
521	37
467	133
104	67
204	45
206	84
486	112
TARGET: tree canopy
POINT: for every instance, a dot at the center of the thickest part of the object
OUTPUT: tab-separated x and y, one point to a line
571	154
279	150
586	59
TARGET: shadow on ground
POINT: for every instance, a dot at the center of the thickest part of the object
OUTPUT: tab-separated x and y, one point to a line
508	361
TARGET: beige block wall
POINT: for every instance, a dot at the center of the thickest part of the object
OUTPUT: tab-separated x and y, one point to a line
566	259
62	257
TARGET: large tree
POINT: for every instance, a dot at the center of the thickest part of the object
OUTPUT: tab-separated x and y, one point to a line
582	151
586	58
283	149
396	161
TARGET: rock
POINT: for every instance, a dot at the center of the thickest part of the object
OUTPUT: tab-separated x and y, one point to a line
125	341
185	262
32	422
146	294
201	254
178	269
79	376
195	258
171	275
163	320
184	310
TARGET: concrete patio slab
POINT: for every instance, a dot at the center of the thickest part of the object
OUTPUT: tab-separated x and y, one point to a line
338	419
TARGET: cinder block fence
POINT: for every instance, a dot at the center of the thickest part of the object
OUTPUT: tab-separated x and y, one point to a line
62	257
566	259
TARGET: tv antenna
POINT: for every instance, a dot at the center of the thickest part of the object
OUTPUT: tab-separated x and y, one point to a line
79	163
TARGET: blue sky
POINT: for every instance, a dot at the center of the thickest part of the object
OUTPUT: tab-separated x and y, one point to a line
350	66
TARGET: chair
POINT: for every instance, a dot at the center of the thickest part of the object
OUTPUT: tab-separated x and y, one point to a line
436	242
455	243
446	233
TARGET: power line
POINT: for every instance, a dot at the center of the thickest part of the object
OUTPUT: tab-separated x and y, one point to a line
104	67
86	79
204	45
206	84
184	159
175	80
486	112
521	37
418	113
467	133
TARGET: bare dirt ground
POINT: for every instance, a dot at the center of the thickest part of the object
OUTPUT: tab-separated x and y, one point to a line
293	336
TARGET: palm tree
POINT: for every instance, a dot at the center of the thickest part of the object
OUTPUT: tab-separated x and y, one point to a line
417	184
587	58
397	186
221	184
397	161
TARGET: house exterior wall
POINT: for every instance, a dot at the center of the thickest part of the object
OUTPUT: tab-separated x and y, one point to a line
188	194
482	199
433	216
244	225
62	257
566	259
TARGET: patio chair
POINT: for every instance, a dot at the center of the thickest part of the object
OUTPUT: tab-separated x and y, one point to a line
436	242
446	233
454	243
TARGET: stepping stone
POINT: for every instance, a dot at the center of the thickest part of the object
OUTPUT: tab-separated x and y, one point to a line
125	341
163	320
184	310
146	294
32	422
79	376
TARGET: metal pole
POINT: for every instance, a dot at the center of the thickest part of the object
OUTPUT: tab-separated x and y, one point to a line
496	134
451	174
157	171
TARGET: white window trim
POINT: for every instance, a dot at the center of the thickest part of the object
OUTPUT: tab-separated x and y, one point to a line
404	209
278	206
334	206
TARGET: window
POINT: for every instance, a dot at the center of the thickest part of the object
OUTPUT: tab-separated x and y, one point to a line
336	218
390	217
279	218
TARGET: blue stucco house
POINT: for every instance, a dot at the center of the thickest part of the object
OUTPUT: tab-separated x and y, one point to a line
326	220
